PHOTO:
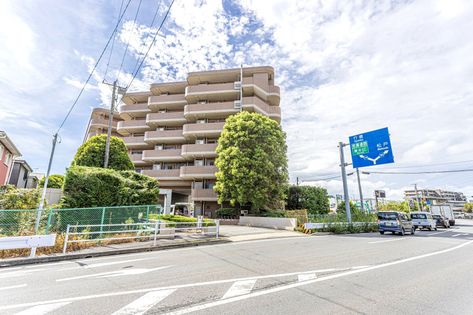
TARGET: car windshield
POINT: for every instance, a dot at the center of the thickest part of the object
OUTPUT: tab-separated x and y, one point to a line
436	216
387	215
418	216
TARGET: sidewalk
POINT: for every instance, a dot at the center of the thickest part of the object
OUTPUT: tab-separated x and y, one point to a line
228	233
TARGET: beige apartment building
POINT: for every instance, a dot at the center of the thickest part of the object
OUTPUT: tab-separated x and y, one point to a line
172	130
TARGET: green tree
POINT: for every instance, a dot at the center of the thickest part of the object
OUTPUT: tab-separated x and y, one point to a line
92	152
402	206
252	162
468	207
314	199
55	181
353	207
15	198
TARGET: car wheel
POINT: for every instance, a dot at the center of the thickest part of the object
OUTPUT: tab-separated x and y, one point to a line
430	229
381	232
393	232
413	231
435	228
403	232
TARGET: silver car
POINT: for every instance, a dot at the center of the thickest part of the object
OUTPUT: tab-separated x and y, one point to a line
423	220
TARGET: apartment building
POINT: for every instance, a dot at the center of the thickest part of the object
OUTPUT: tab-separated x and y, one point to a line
98	123
438	197
8	152
172	130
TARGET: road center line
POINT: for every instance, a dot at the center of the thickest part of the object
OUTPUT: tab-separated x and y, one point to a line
298	284
42	309
385	241
455	235
435	233
240	288
14	287
144	303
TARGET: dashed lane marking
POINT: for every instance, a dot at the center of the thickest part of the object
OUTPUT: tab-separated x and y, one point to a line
14	287
386	241
306	276
42	309
240	288
144	303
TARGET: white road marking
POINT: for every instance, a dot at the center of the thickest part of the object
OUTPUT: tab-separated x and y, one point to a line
239	288
181	286
85	266
119	273
385	241
298	284
306	276
144	303
14	287
430	234
455	235
42	309
18	273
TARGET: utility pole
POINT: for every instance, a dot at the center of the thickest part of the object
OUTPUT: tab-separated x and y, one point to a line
43	195
359	189
419	205
344	179
110	121
297	192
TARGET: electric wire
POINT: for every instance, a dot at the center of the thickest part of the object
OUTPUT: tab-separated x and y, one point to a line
128	41
113	42
421	172
92	72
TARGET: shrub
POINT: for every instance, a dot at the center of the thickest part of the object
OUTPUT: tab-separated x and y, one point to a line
55	181
92	153
312	198
14	198
227	212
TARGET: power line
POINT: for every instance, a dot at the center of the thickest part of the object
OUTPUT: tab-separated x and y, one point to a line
128	41
433	164
113	43
325	178
149	47
93	70
421	172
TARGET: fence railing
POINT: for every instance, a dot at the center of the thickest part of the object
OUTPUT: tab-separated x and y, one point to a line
22	221
81	233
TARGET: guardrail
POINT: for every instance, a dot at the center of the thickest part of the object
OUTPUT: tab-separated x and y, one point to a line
126	231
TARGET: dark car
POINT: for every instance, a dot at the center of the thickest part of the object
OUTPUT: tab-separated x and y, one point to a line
395	222
441	221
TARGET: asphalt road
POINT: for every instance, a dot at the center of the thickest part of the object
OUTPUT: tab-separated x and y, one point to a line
428	273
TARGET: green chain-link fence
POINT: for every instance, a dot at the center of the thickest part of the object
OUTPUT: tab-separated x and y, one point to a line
22	222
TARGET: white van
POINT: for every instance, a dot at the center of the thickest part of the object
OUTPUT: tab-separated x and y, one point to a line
423	220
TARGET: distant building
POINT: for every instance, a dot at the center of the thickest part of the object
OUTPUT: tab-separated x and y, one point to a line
8	152
22	175
438	197
98	123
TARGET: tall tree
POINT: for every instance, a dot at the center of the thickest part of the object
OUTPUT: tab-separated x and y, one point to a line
92	153
55	181
314	199
252	162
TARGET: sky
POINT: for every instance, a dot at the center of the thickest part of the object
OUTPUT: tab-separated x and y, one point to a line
344	68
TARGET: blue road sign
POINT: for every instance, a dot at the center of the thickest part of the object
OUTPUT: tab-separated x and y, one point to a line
371	148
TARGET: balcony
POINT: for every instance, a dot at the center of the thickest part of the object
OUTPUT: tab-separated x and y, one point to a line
198	172
173	101
101	123
206	150
135	142
162	155
210	110
166	119
211	92
137	159
203	130
255	104
128	126
163	174
204	195
165	136
262	89
134	110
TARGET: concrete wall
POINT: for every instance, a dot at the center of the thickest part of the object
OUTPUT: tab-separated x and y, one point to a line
53	196
272	223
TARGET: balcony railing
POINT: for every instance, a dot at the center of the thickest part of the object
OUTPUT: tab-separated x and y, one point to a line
211	91
162	155
173	174
204	195
198	130
136	159
134	108
164	136
199	150
102	123
209	110
127	126
191	172
135	142
167	101
166	119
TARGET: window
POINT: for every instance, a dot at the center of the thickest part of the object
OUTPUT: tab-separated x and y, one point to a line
199	141
1	152
209	162
199	162
7	158
212	140
418	216
136	151
157	166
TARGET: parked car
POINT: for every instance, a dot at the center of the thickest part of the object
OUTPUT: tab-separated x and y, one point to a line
423	220
395	222
441	221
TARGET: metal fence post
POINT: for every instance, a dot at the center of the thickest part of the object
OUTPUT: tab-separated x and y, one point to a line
147	214
66	238
49	220
101	221
155	232
217	228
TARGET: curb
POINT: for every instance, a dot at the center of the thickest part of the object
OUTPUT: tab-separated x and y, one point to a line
47	259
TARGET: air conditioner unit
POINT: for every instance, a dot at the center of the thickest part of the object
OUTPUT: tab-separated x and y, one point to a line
159	147
237	85
237	104
202	102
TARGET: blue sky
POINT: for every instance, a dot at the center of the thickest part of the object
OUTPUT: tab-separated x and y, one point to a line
344	67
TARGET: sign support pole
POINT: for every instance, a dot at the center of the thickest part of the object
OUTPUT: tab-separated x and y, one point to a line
344	179
359	189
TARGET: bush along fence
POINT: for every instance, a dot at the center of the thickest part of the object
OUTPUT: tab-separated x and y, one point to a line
22	221
337	223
